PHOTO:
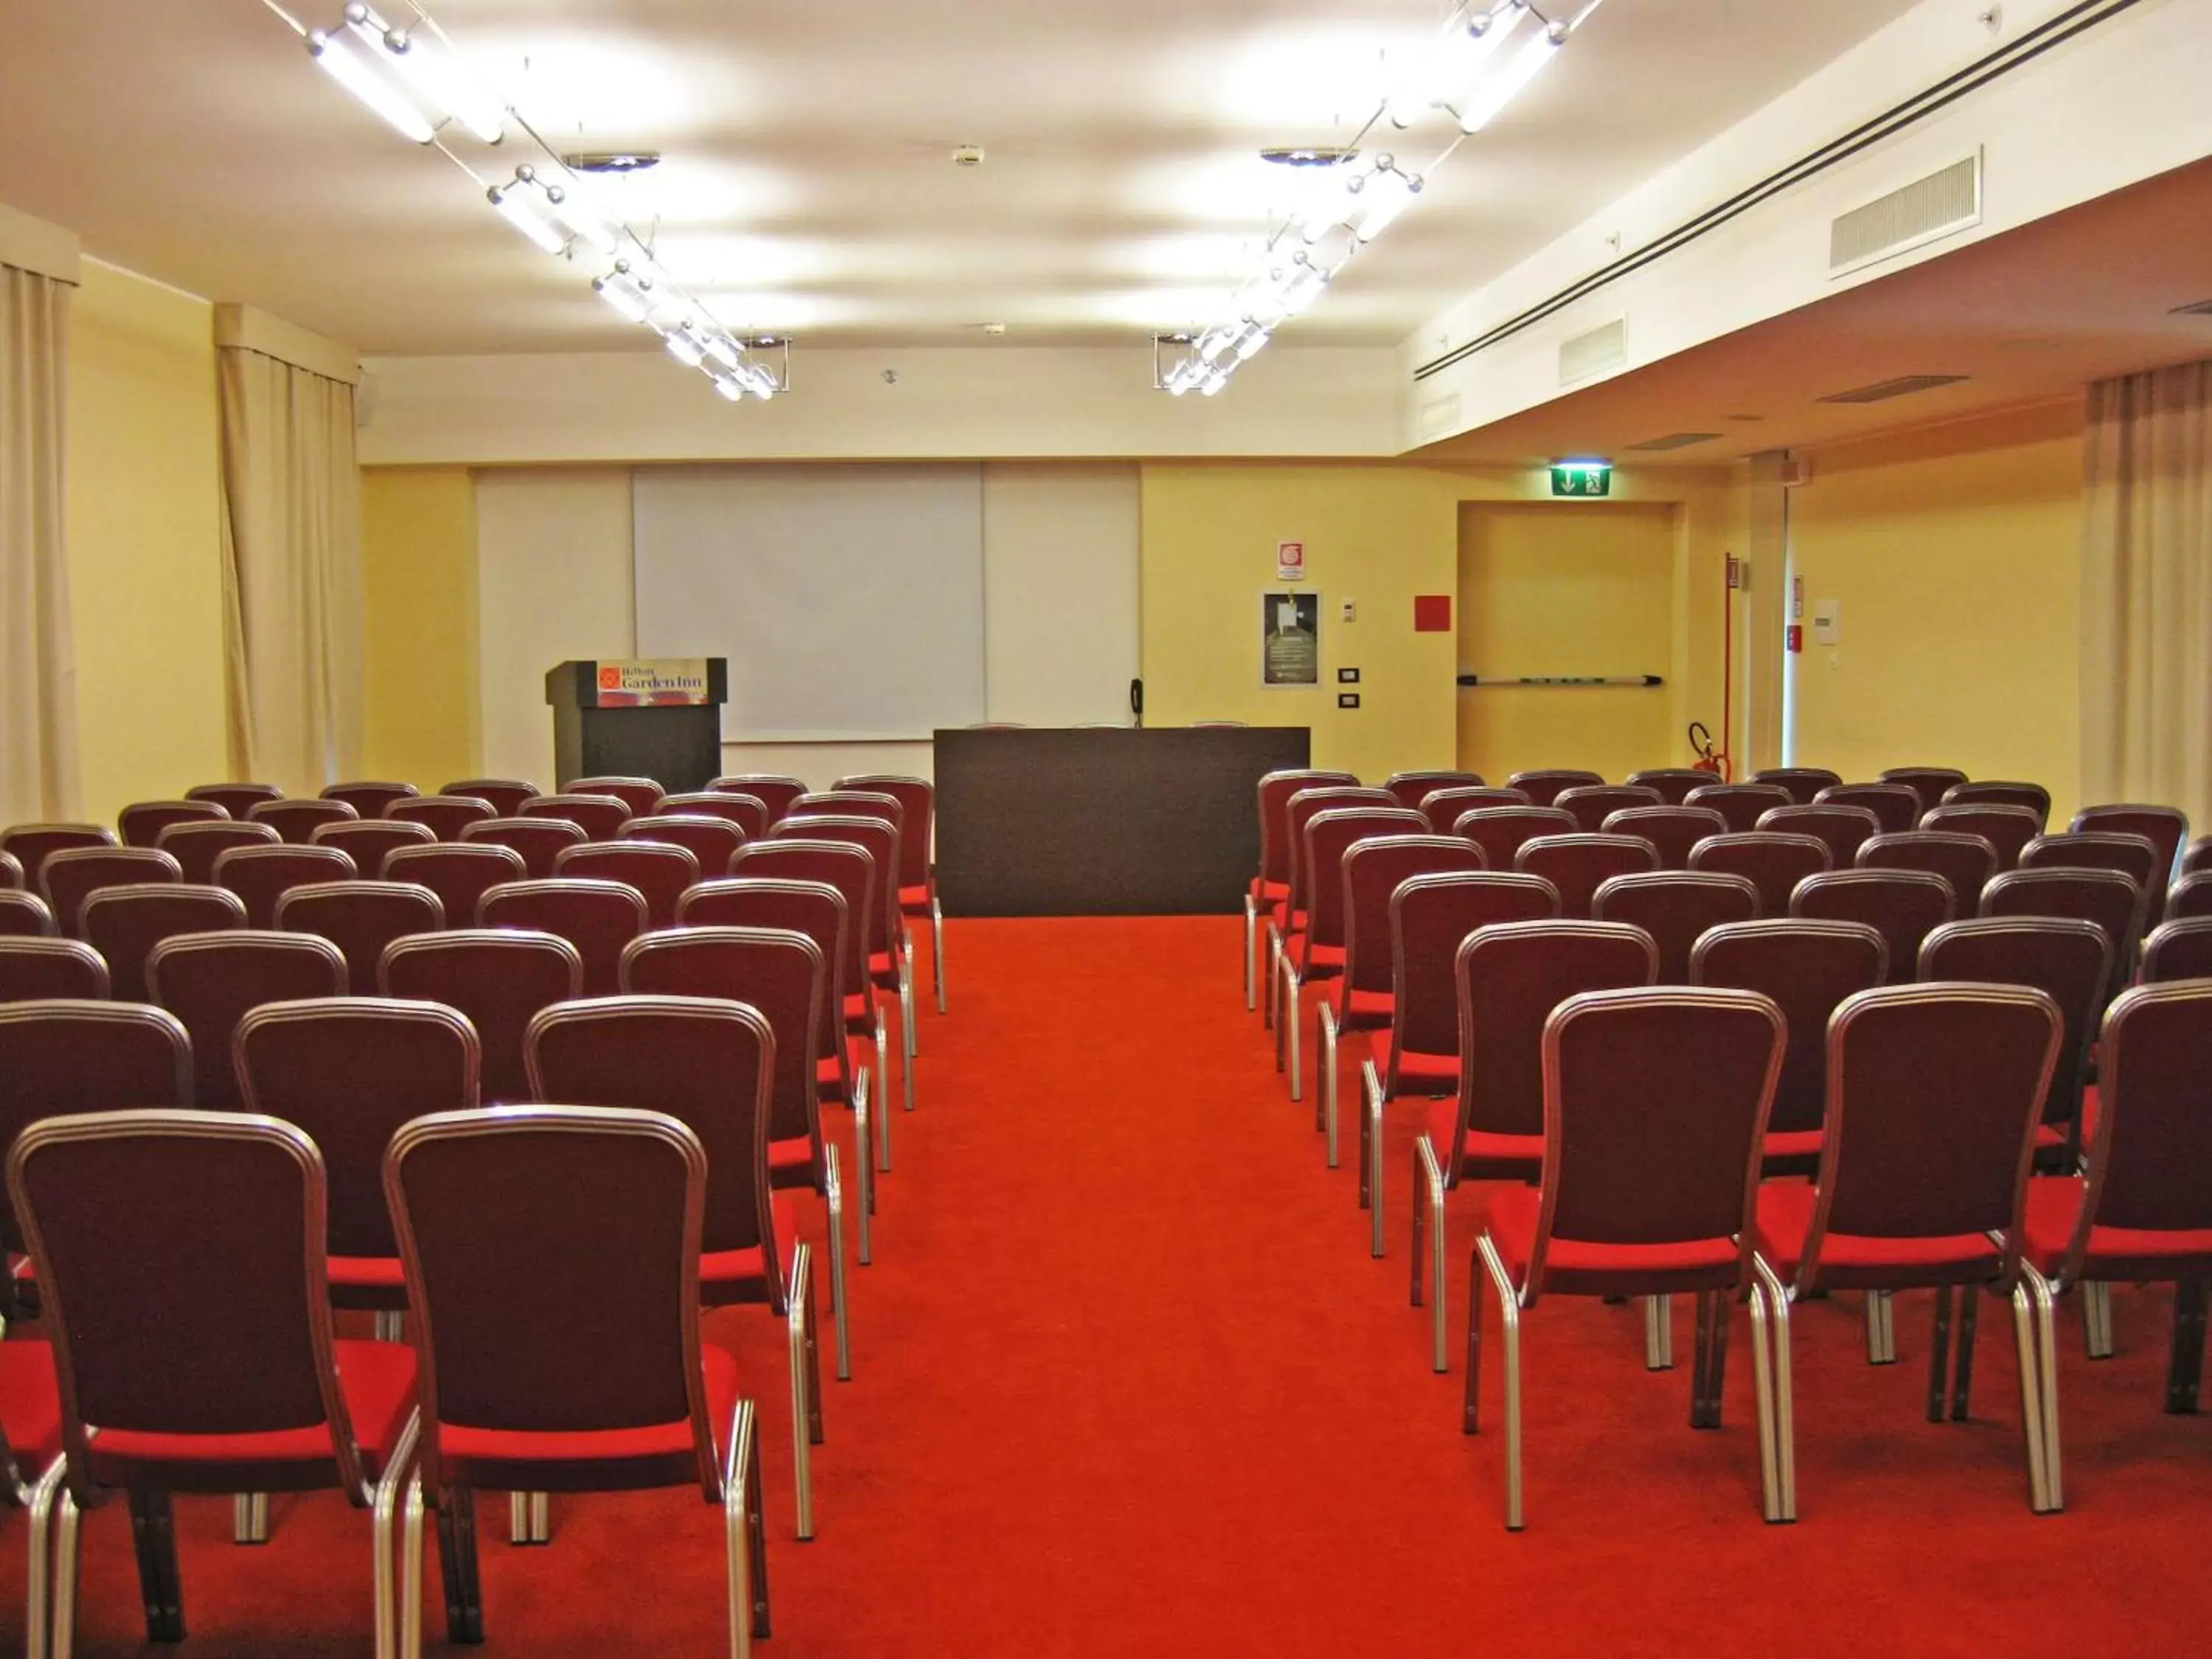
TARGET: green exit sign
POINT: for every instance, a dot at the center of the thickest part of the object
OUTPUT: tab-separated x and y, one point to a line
1581	477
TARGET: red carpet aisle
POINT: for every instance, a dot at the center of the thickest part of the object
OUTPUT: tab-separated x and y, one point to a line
1127	1383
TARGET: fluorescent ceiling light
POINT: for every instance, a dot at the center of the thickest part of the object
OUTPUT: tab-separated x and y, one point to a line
523	206
1480	106
426	65
1472	40
338	58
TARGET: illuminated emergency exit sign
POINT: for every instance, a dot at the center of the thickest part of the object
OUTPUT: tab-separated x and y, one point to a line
1581	477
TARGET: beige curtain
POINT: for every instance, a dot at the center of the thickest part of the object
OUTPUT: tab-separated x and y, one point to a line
2147	592
38	673
292	575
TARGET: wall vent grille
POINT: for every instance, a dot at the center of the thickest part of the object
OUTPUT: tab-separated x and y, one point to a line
1598	352
1924	211
1882	391
1675	440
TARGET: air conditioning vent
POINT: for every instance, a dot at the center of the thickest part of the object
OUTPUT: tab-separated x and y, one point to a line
1922	212
1440	416
1882	391
2201	308
1598	352
1675	440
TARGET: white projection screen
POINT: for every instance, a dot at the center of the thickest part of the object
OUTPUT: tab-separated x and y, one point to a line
849	599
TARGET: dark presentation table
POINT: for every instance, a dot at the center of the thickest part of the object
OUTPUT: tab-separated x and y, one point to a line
1104	821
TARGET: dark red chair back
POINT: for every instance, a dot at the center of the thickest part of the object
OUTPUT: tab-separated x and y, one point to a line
1443	808
879	925
748	813
30	844
1807	969
360	918
2007	829
2164	827
2197	857
660	871
536	842
771	789
125	924
1592	803
2133	856
2152	1152
1770	860
459	872
210	982
1903	906
504	796
296	821
24	916
1671	830
1842	830
1412	789
1928	784
917	799
1544	785
371	800
1895	807
1276	842
72	874
2105	897
443	816
1739	804
597	917
499	978
1966	862
2033	796
236	798
2180	949
814	908
1301	807
142	822
1372	870
369	842
33	970
2068	959
1804	782
1578	865
709	840
1429	917
1328	837
845	869
1675	908
1673	783
2188	898
849	803
11	873
600	817
641	796
1501	830
196	846
260	876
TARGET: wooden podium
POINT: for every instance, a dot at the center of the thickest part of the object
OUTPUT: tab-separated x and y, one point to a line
658	718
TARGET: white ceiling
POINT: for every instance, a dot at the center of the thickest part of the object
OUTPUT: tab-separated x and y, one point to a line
808	186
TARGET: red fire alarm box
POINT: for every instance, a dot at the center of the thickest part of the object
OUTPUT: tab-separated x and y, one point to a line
1796	638
1433	613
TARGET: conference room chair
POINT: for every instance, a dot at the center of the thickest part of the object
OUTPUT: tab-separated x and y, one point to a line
1578	864
782	975
659	870
1431	915
30	1459
11	873
367	842
497	978
24	916
1997	792
210	982
1673	783
261	875
843	802
1412	789
371	799
2066	959
1676	907
1443	808
1804	782
597	917
772	790
1671	830
1543	785
1844	829
816	910
196	846
1500	831
2105	897
2133	856
142	821
710	840
1593	802
296	821
2178	949
1269	890
2189	897
504	796
2138	1212
2007	829
1770	860
1934	1093
1319	957
348	1072
1359	999
890	959
594	1208
73	874
238	799
459	872
125	924
536	842
600	817
1895	808
443	816
34	969
30	844
1928	784
1903	906
132	1216
1285	916
360	918
2164	827
1806	969
748	812
641	796
2197	857
1967	862
709	1064
1509	978
917	876
850	873
1739	804
1634	1080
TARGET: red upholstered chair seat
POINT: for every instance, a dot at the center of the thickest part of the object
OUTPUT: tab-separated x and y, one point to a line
830	1075
1481	1148
795	1155
1363	1011
727	1276
1588	1268
1857	1260
30	1405
1803	1143
484	1456
377	1275
1428	1075
2054	1210
913	900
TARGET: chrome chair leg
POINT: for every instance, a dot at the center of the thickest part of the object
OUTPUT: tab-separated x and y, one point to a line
1370	1154
1658	1333
912	1032
1287	1029
2097	1318
1762	1382
391	1326
741	1527
1429	1205
410	1572
1962	1370
2046	1355
529	1518
802	1411
864	1165
1509	1312
906	1065
1783	1393
249	1517
1272	950
384	1521
832	1199
2030	1395
1325	1028
936	950
61	1599
1881	1329
1251	931
38	1617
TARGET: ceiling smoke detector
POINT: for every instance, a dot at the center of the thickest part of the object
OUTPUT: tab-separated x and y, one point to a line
1307	155
995	329
613	160
967	155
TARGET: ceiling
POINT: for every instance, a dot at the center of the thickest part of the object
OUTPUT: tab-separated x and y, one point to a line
808	186
2033	313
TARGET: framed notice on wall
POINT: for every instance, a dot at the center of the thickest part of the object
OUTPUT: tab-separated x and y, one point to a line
1290	638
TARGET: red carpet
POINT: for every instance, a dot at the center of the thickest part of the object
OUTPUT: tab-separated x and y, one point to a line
1127	1383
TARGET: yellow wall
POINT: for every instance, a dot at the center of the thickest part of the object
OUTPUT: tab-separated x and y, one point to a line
418	557
144	541
1955	555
